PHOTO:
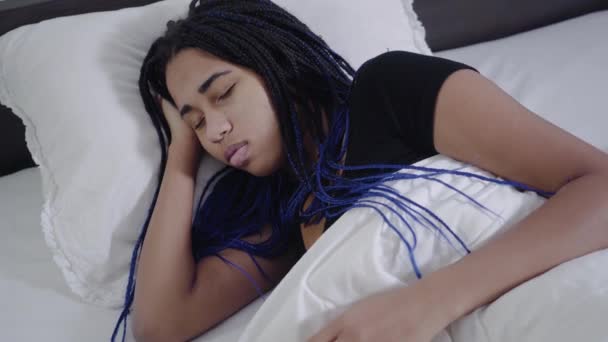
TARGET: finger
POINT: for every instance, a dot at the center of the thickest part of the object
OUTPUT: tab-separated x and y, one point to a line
158	99
328	334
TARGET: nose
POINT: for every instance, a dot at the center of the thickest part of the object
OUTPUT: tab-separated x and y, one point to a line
217	127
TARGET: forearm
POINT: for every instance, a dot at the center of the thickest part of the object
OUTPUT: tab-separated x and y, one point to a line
166	267
574	222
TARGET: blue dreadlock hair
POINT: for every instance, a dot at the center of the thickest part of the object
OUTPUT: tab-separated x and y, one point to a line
300	72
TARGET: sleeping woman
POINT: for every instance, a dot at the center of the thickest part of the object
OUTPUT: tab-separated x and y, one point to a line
304	138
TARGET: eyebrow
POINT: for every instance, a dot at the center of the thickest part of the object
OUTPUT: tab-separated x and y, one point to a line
204	87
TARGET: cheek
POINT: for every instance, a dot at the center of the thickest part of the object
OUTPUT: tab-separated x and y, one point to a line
256	119
269	143
268	125
211	148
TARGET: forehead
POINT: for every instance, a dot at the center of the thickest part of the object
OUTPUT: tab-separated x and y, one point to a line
190	67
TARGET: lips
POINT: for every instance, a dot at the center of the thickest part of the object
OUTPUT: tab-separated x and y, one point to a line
231	150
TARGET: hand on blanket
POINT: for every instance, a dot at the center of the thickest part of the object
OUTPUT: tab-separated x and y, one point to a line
412	314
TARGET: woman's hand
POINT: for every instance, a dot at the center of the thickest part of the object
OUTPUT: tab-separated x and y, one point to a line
183	138
412	314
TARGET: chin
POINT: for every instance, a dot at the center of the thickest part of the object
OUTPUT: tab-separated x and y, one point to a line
260	170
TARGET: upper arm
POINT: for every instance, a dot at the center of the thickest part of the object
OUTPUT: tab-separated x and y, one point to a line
220	289
478	123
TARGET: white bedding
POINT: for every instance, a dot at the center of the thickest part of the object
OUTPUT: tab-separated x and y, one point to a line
361	255
35	302
558	71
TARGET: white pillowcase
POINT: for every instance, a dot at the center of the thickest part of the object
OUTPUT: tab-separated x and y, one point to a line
73	81
361	255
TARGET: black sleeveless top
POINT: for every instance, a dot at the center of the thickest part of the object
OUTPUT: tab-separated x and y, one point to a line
392	106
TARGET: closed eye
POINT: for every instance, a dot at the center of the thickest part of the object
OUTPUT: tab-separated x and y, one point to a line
227	93
200	122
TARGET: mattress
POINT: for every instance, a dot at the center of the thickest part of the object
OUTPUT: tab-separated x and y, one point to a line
557	71
35	302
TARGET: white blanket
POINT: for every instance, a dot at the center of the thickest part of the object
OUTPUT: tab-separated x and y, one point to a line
361	255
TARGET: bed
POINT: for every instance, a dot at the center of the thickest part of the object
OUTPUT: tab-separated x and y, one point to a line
552	60
36	303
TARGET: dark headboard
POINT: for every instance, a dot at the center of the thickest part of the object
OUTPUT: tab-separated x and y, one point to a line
455	23
448	23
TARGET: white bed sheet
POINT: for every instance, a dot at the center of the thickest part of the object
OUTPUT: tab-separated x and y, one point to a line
35	302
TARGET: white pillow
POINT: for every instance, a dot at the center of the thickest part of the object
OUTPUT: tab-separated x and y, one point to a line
361	255
73	81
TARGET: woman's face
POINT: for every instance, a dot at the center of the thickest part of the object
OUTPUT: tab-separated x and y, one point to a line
229	109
